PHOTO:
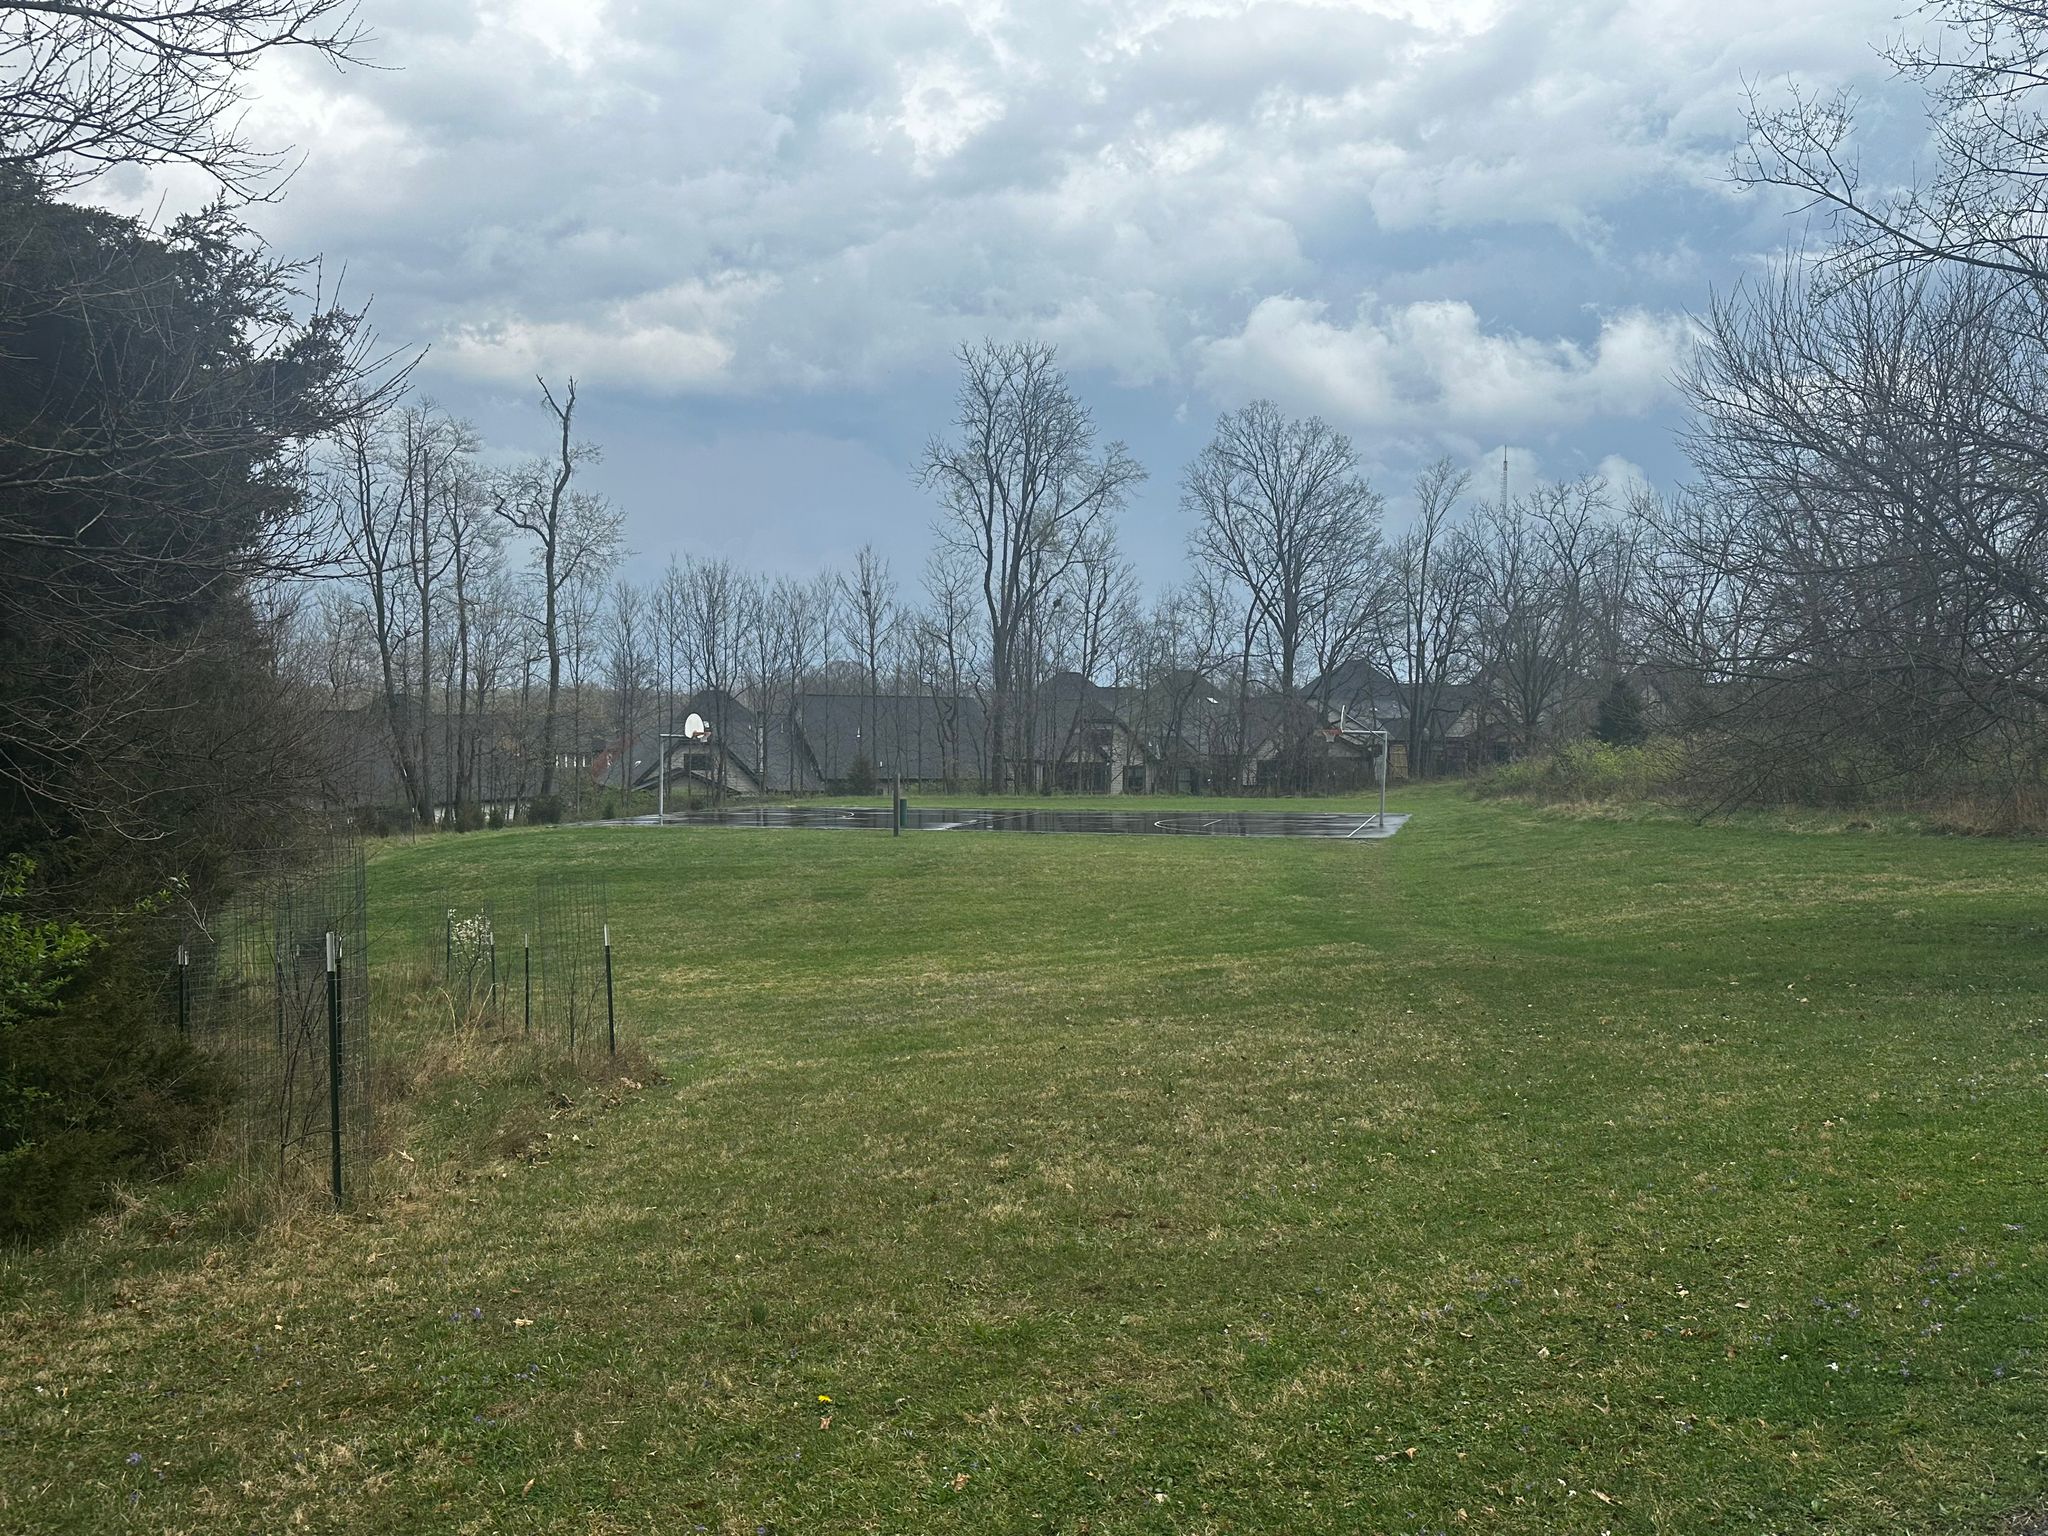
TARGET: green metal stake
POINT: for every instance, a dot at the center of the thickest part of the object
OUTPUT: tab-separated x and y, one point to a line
611	1022
184	991
334	1064
526	950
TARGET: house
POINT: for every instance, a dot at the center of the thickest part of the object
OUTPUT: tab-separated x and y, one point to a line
1080	739
1357	699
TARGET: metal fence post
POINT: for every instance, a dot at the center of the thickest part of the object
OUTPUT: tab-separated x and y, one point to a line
448	949
334	1063
611	1022
184	991
277	976
494	981
526	951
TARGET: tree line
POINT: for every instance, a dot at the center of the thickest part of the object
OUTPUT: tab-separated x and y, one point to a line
471	602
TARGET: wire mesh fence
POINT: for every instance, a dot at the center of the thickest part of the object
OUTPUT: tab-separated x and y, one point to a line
294	979
274	981
532	961
571	940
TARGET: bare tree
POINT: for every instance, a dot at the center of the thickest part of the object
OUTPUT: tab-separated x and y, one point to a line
428	449
1982	207
630	651
369	511
945	652
1535	564
1020	490
868	602
714	618
85	84
1188	641
1428	643
668	611
574	535
1859	583
581	615
1283	515
808	610
1095	602
474	543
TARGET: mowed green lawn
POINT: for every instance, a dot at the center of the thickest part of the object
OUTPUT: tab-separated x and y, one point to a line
1523	1173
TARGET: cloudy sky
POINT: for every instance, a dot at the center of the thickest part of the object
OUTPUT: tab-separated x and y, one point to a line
756	233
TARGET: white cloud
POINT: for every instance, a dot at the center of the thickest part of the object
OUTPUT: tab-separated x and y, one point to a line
1130	178
800	209
1433	368
1625	478
675	340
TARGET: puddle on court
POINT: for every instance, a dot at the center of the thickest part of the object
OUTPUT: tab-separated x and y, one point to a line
1325	824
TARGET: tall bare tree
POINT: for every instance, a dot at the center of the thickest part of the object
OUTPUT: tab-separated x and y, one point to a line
1283	514
630	659
715	618
867	597
1535	565
1021	489
946	653
574	535
1432	575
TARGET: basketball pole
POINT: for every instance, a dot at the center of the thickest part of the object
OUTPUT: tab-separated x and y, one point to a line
661	792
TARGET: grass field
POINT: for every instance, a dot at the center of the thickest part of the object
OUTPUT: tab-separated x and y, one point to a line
1522	1173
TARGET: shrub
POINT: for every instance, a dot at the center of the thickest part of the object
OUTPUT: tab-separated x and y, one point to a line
495	819
383	820
96	1087
1593	770
1619	721
544	810
860	777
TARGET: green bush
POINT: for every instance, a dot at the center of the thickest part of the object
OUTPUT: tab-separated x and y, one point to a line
96	1086
1619	721
544	810
383	820
860	777
1594	770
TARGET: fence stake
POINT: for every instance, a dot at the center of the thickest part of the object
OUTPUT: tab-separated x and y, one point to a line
277	967
494	982
448	948
334	1063
526	949
611	1022
184	991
